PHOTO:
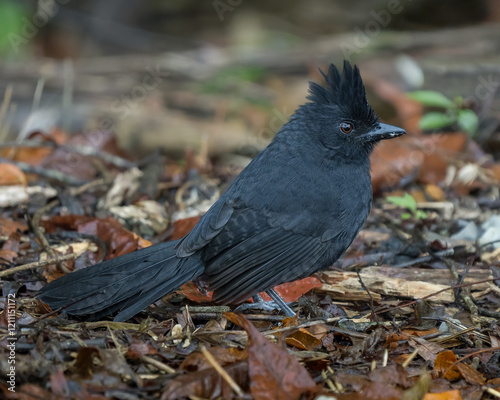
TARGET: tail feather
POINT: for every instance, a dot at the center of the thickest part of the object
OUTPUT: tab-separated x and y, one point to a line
127	284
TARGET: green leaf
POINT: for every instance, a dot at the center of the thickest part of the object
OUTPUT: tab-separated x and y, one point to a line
11	24
436	120
431	98
421	214
407	201
468	121
405	216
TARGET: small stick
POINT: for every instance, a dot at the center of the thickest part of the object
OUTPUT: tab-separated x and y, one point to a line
158	364
37	264
410	359
222	372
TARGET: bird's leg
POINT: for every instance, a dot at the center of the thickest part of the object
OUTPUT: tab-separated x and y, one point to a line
279	301
259	304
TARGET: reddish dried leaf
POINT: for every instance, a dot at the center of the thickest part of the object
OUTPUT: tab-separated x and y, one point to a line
138	349
207	384
8	226
82	167
11	175
7	256
274	373
119	240
470	374
183	226
193	293
444	361
292	291
450	395
429	154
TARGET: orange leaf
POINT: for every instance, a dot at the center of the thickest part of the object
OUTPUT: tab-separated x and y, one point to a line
450	395
11	175
444	361
292	291
303	339
193	293
8	226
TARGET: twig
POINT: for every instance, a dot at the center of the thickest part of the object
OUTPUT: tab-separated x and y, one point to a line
372	307
158	364
470	355
222	372
41	237
424	259
46	172
37	264
410	359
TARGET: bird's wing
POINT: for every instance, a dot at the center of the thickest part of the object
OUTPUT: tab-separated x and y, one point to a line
249	256
206	229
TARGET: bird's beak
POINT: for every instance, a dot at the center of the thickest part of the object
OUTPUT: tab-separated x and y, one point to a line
383	131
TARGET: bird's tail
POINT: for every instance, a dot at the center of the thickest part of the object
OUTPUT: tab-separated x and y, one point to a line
127	284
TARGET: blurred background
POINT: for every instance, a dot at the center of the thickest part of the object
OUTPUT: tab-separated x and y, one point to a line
220	77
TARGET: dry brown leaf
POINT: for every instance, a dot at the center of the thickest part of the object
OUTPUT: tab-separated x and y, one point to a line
207	383
442	364
8	226
274	373
470	374
11	175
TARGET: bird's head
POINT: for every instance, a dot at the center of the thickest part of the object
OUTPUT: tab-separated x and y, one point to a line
341	116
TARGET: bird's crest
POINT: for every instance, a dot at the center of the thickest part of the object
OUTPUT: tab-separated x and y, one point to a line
345	90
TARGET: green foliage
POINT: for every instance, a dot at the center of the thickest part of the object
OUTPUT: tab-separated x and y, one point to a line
431	98
453	112
11	22
407	201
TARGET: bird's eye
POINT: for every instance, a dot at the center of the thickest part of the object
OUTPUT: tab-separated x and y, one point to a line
346	127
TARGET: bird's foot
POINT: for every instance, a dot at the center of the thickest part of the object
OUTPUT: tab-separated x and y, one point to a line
259	304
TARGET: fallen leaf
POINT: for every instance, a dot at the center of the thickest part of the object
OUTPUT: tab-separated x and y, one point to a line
10	174
450	395
292	291
183	226
435	192
274	373
470	374
442	364
207	383
303	339
8	226
119	240
196	361
427	350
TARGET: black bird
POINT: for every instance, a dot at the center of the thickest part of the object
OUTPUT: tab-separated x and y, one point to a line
291	212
